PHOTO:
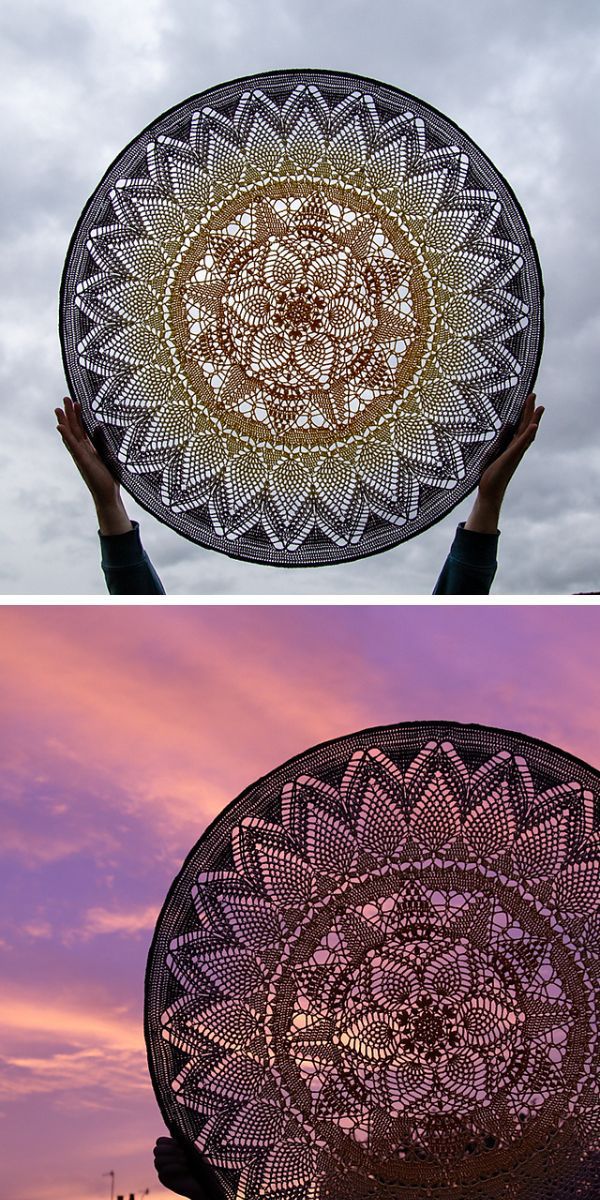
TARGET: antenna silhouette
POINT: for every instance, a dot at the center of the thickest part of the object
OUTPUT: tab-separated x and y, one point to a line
112	1183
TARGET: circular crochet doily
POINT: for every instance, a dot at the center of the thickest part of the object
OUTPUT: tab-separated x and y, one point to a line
376	974
304	307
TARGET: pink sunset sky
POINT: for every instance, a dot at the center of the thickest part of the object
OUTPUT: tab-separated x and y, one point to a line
126	730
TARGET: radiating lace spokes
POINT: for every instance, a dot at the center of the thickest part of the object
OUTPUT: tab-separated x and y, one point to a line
394	976
302	319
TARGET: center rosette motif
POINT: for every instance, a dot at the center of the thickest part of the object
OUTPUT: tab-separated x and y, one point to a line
426	1027
300	315
388	980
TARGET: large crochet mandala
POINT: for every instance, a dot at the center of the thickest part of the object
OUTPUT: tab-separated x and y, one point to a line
303	306
376	975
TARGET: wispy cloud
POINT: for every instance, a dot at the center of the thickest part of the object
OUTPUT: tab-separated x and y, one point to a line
104	1078
104	921
83	1023
68	1046
37	929
161	702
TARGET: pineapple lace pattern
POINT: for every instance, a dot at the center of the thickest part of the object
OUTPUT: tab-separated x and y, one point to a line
304	307
377	974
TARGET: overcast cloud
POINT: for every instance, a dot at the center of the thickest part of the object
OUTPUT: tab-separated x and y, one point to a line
521	78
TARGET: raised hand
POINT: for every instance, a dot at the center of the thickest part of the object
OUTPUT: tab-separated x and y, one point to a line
186	1174
106	495
494	481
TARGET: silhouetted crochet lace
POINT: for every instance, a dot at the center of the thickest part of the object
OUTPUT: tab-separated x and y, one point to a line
377	974
303	306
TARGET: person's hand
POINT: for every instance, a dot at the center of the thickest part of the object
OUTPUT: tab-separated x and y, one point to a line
187	1174
112	517
485	513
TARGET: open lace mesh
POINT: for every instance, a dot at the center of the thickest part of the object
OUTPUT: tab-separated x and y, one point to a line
304	307
377	974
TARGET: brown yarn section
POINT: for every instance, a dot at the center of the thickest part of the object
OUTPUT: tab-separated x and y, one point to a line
304	307
302	311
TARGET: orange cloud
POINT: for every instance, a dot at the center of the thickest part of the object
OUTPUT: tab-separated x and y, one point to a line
183	708
117	1075
85	1025
104	1047
38	929
102	920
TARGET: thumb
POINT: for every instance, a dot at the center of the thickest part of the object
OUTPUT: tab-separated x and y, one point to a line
101	444
98	438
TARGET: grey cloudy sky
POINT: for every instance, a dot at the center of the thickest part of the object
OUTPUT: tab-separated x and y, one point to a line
521	77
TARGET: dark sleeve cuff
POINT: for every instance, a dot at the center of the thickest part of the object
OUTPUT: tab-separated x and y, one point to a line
126	566
121	549
470	566
479	550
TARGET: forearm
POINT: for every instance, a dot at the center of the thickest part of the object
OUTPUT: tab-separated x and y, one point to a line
112	517
484	516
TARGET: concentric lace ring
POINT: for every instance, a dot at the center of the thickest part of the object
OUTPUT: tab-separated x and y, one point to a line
304	307
377	973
